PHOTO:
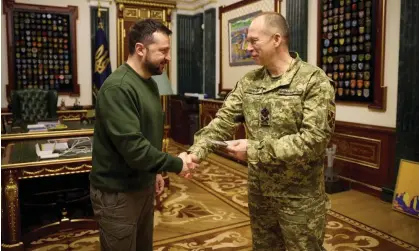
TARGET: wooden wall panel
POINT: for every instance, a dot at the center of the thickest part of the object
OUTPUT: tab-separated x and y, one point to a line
358	150
365	154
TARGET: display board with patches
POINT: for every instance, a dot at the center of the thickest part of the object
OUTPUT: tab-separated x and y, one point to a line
351	49
42	48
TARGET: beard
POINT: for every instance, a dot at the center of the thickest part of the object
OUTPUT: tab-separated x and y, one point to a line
153	68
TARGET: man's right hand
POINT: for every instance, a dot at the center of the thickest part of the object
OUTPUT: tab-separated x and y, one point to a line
189	164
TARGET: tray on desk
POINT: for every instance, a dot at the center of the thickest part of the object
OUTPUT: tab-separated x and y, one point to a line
59	127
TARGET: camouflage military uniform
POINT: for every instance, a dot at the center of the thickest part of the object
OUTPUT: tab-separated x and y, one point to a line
287	200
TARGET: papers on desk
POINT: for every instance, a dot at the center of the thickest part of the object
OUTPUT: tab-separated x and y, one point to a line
196	95
37	128
54	146
49	150
44	126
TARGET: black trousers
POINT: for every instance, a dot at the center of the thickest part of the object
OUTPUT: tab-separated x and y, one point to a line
125	219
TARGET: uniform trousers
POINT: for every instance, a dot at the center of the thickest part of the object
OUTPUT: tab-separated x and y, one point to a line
286	223
125	219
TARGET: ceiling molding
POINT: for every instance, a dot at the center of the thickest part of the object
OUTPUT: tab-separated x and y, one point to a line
102	3
157	3
194	5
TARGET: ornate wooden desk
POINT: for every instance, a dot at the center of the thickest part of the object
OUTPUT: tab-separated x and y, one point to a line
65	115
74	129
19	163
17	166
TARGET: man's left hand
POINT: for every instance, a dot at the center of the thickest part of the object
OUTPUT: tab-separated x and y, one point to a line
237	149
159	184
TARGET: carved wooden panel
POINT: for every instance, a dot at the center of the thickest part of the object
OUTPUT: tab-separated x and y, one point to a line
365	154
359	150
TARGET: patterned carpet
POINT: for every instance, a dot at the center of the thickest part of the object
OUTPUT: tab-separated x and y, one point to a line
210	212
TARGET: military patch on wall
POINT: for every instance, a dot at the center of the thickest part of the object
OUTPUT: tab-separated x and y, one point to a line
348	47
43	51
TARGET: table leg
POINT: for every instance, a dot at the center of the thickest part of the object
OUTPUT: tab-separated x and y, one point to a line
11	225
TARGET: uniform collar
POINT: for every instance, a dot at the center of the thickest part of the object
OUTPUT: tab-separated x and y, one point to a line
286	78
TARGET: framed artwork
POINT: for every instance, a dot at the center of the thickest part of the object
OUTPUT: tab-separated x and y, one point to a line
406	193
42	47
234	21
237	34
351	49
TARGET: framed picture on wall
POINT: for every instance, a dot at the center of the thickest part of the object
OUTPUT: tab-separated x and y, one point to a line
406	193
351	49
234	21
237	34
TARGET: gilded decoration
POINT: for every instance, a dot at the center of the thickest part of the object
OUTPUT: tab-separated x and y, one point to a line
45	172
11	191
162	4
130	13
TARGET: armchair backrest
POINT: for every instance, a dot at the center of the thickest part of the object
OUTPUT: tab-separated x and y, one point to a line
32	105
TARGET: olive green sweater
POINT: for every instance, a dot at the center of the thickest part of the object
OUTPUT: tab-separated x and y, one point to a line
128	134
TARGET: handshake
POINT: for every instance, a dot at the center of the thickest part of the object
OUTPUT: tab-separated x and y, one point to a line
190	162
236	148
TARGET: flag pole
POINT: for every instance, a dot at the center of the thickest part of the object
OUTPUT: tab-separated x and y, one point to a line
99	15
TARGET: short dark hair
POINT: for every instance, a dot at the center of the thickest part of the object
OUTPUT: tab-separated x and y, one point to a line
276	22
142	32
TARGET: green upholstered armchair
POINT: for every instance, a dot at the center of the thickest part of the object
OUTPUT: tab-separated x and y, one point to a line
32	105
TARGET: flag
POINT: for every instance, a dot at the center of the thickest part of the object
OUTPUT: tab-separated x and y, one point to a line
102	60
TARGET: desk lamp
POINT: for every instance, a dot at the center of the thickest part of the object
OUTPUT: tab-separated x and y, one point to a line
165	90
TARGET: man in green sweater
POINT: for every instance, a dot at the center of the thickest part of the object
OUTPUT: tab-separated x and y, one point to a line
127	143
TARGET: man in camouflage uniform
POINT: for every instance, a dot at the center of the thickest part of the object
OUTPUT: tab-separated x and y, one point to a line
289	112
